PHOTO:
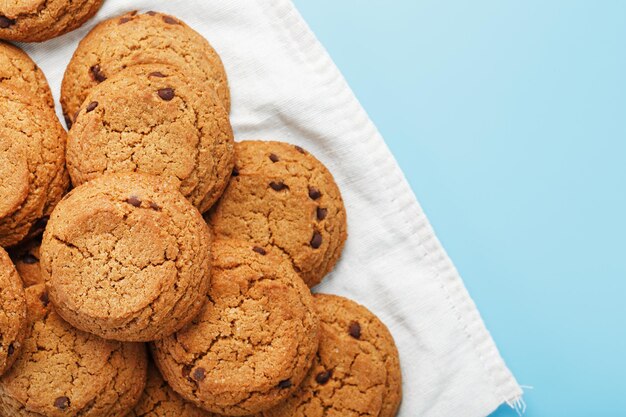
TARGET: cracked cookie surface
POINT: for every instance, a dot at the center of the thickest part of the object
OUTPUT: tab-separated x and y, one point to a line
127	257
32	143
12	313
40	20
149	119
160	400
133	39
356	371
17	70
281	196
252	343
64	372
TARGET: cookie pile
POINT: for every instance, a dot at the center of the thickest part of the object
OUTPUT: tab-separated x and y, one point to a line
175	278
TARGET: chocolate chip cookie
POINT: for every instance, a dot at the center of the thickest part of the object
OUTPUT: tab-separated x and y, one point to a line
133	39
32	164
149	119
17	70
12	313
65	372
40	20
252	343
356	372
127	257
282	197
159	400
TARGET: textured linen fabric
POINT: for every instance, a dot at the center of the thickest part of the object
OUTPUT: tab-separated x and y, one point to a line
285	87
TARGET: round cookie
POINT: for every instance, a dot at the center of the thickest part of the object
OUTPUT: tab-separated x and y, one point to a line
159	400
12	313
40	20
26	260
133	39
149	119
252	343
356	371
127	257
17	70
65	372
281	196
32	143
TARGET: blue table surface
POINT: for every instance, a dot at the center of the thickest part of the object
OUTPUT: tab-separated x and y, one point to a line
509	121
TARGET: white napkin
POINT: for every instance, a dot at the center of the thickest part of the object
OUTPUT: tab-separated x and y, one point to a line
285	87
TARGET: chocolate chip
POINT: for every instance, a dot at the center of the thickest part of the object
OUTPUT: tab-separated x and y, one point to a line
157	74
321	213
154	206
170	20
91	106
274	158
133	13
299	149
44	298
355	330
278	186
151	13
124	20
97	74
199	374
134	201
259	250
286	383
235	172
11	349
68	121
5	22
314	193
316	240
62	403
29	259
166	93
323	377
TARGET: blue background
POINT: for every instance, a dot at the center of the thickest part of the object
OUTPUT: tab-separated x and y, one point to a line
509	120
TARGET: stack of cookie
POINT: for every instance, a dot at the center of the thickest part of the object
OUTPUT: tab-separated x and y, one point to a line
174	237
